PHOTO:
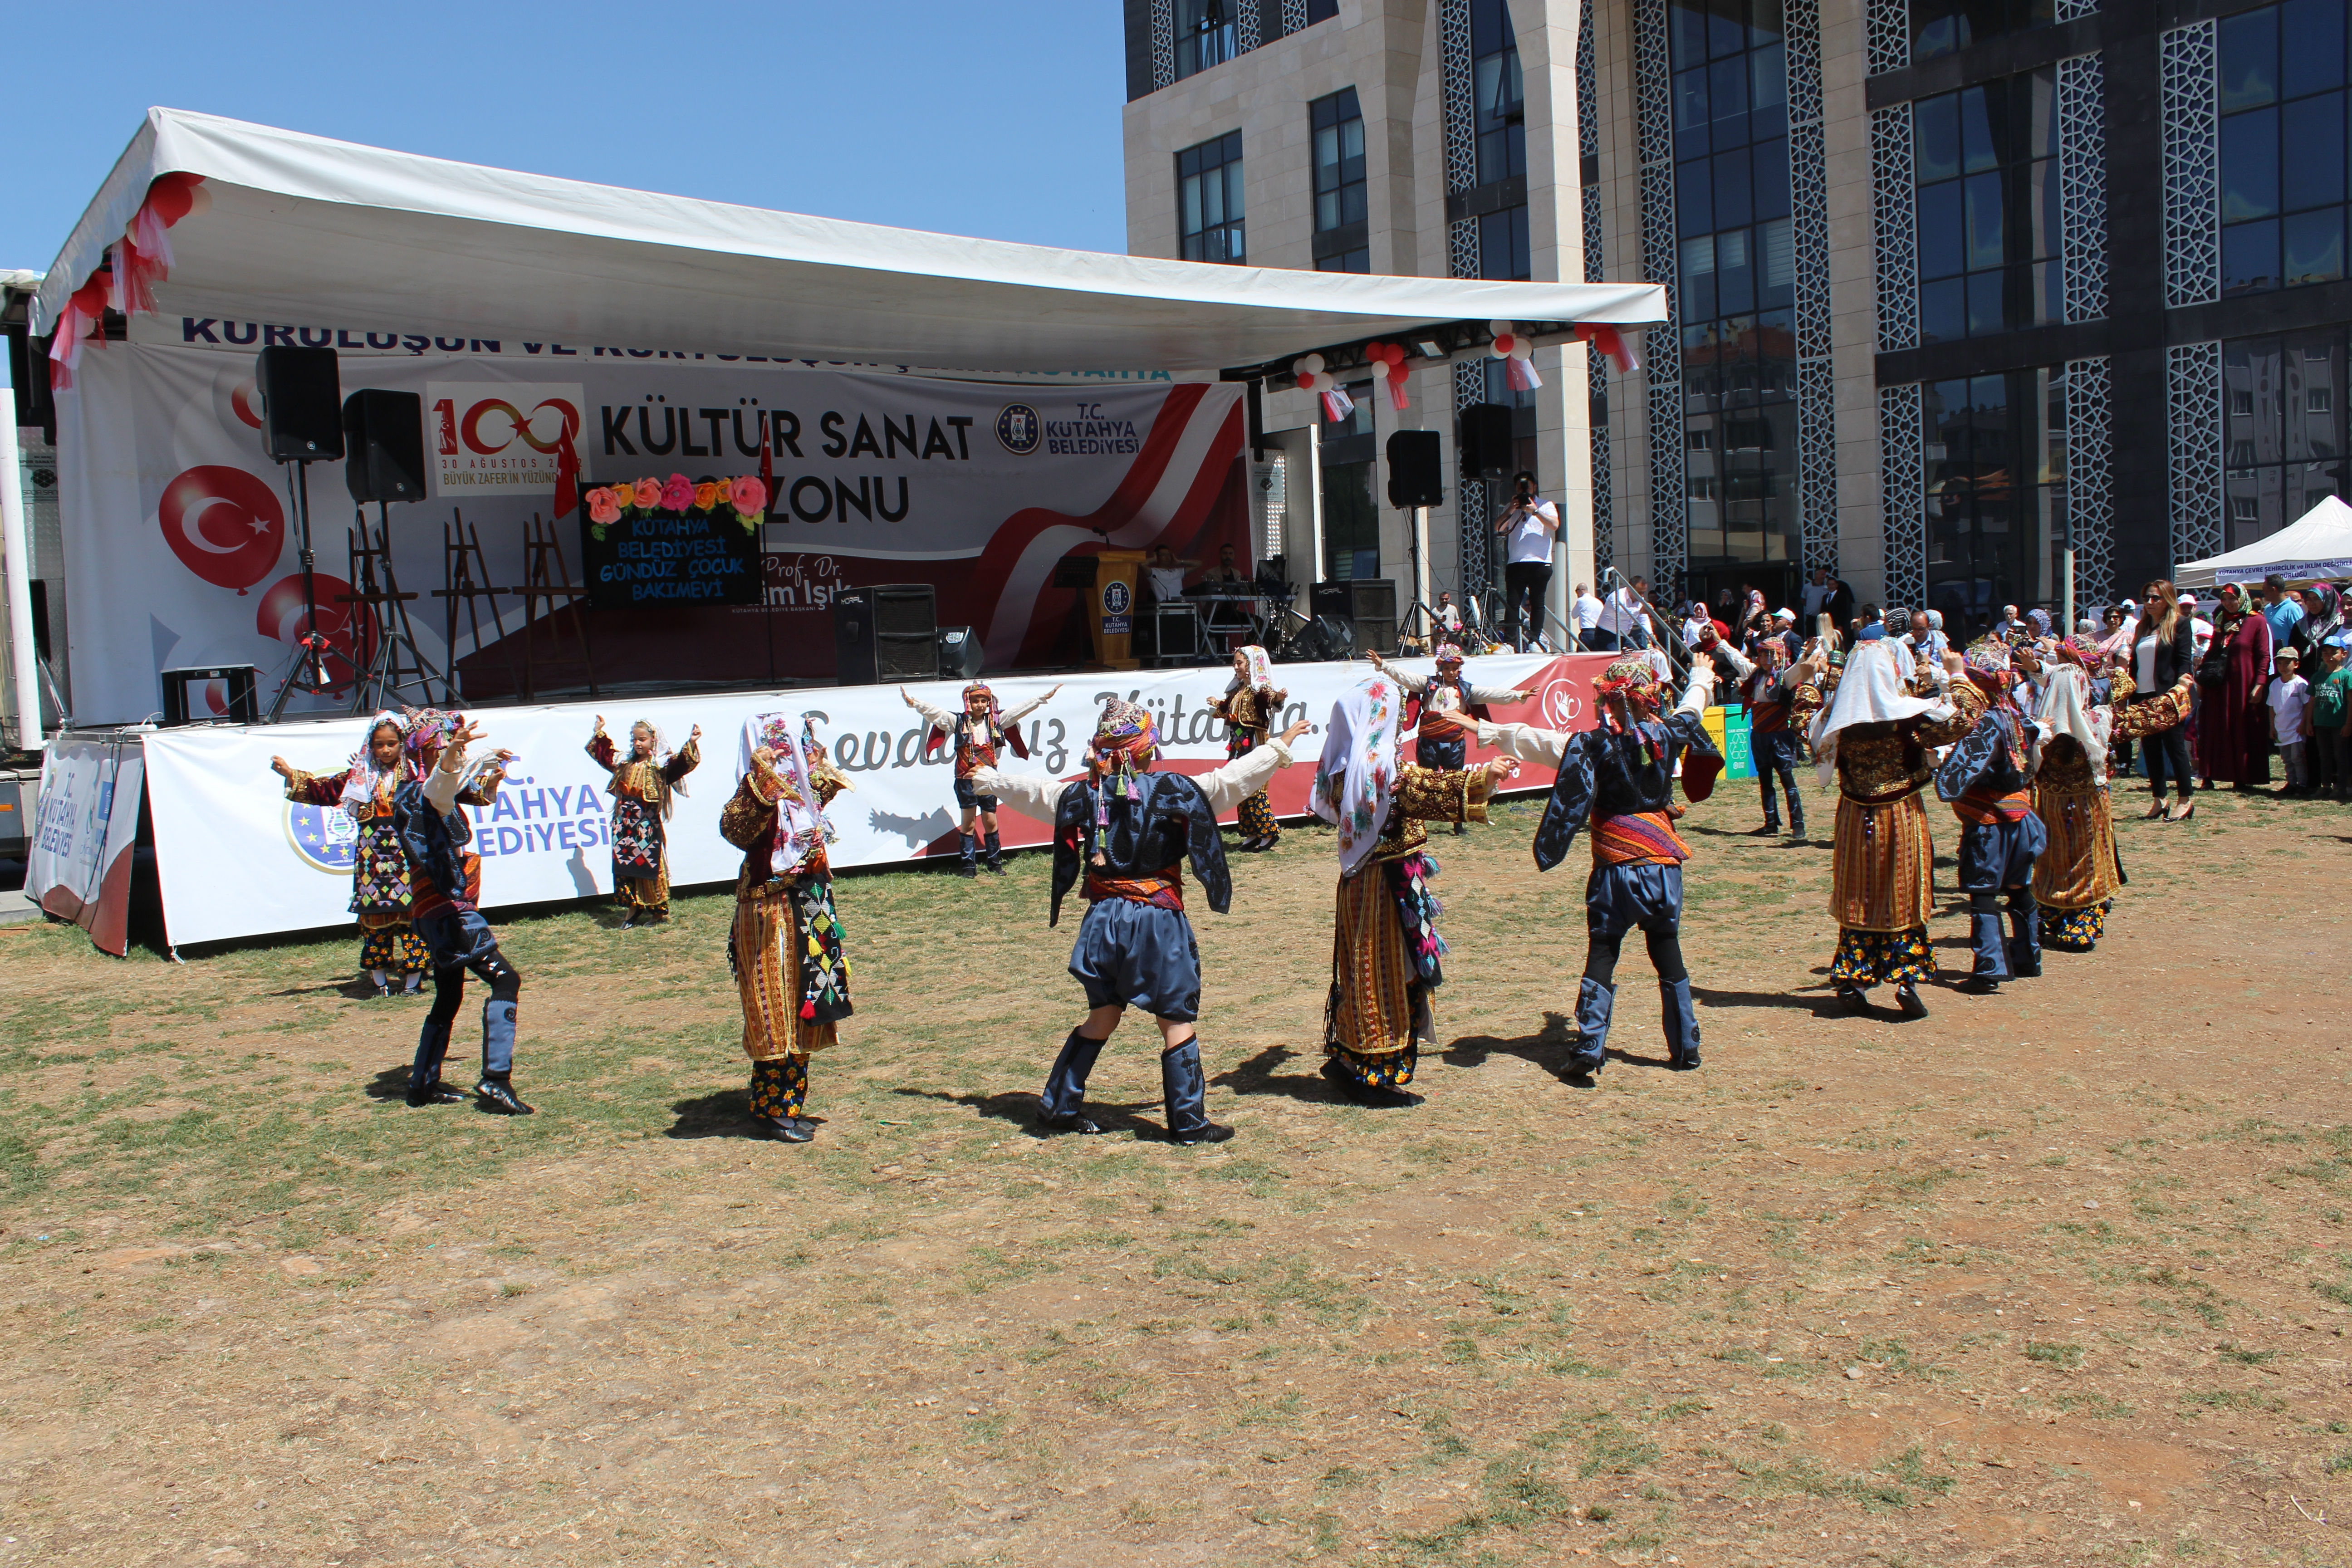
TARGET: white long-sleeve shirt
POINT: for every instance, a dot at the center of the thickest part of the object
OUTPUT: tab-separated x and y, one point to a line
1545	748
944	719
1479	696
1036	794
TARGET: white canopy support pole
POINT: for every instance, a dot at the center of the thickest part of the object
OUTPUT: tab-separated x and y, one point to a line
17	555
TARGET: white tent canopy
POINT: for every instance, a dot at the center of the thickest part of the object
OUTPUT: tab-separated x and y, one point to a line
2316	544
353	234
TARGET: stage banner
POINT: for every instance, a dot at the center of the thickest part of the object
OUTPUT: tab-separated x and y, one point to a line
81	862
235	859
182	546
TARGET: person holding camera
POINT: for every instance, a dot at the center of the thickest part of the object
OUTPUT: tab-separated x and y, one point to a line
1529	526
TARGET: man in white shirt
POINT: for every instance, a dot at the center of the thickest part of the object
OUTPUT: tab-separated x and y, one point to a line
1818	593
1623	618
1167	578
1528	526
1449	616
1584	611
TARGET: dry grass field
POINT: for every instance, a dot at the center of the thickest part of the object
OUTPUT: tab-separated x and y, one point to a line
2055	1277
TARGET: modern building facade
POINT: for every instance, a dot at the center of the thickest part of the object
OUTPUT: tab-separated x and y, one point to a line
1970	298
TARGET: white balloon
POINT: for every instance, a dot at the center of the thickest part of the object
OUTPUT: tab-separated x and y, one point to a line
200	200
1500	329
1522	349
1311	364
1323	381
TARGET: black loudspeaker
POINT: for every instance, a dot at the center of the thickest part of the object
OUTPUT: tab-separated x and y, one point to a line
384	445
869	649
1362	609
1416	471
238	678
959	654
301	405
1484	446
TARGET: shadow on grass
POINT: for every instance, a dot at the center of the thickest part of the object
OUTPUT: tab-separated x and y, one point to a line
1021	1108
392	1083
1819	1005
1262	1074
1548	1048
726	1114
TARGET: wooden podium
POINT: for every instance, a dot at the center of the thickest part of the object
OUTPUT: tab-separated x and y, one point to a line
1115	604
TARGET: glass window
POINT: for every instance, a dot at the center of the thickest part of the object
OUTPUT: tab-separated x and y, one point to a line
1737	280
1498	94
2286	120
1205	36
1503	245
1945	26
1987	167
1996	451
1357	260
1209	200
1351	522
1339	130
2284	436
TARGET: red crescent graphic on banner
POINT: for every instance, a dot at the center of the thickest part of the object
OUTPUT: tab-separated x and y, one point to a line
226	525
246	399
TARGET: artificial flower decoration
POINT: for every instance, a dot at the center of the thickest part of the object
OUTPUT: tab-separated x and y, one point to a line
677	494
602	508
648	493
706	495
747	495
744	497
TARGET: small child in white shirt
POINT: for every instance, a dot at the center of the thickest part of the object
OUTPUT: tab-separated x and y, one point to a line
2289	701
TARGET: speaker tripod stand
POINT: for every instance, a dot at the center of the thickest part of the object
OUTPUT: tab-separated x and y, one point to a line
307	669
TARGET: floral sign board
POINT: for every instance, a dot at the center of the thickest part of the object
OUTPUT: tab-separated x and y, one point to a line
651	542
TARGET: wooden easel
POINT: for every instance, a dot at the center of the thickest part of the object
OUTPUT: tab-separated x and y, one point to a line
397	663
466	578
547	578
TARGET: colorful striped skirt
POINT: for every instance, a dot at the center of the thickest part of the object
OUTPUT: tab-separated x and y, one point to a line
1882	868
2079	867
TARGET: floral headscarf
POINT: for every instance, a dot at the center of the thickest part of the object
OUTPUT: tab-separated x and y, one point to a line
1127	739
362	781
2065	705
431	727
801	826
1447	653
1261	668
1355	779
1634	679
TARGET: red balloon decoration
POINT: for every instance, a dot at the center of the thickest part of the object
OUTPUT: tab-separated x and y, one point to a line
1306	381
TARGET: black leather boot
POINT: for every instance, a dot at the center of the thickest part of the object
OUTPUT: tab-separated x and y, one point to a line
969	868
1185	1095
1066	1086
995	856
495	1092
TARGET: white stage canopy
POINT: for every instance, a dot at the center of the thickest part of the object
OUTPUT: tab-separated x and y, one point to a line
2316	544
357	233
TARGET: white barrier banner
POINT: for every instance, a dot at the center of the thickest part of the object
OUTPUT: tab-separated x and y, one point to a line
235	859
79	866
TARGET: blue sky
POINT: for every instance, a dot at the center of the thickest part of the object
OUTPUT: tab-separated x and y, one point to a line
997	121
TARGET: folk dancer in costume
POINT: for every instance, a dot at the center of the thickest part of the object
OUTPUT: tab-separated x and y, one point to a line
2079	872
1620	778
642	785
389	944
1877	721
429	814
785	947
978	734
1386	954
1251	704
1128	830
1448	705
1768	693
1984	780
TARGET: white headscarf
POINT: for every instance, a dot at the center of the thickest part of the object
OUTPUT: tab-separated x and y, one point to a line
1355	780
1261	671
360	785
1871	692
661	751
2064	706
801	826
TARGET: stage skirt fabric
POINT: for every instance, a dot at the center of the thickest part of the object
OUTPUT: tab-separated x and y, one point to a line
2078	869
1377	1005
770	945
1883	875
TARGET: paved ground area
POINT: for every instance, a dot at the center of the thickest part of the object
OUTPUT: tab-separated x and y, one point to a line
2059	1276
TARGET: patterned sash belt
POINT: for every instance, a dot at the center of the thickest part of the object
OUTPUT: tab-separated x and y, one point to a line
1436	725
1985	808
1638	838
1163	892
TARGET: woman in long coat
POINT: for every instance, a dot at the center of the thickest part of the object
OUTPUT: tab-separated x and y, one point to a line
2233	726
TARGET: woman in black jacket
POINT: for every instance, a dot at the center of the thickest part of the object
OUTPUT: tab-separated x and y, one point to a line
2163	650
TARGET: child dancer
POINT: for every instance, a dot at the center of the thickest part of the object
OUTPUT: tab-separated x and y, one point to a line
1130	830
389	944
1250	706
977	733
786	946
1385	950
1449	706
643	783
428	812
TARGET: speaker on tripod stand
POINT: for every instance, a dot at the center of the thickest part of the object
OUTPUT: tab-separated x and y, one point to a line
301	424
384	445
